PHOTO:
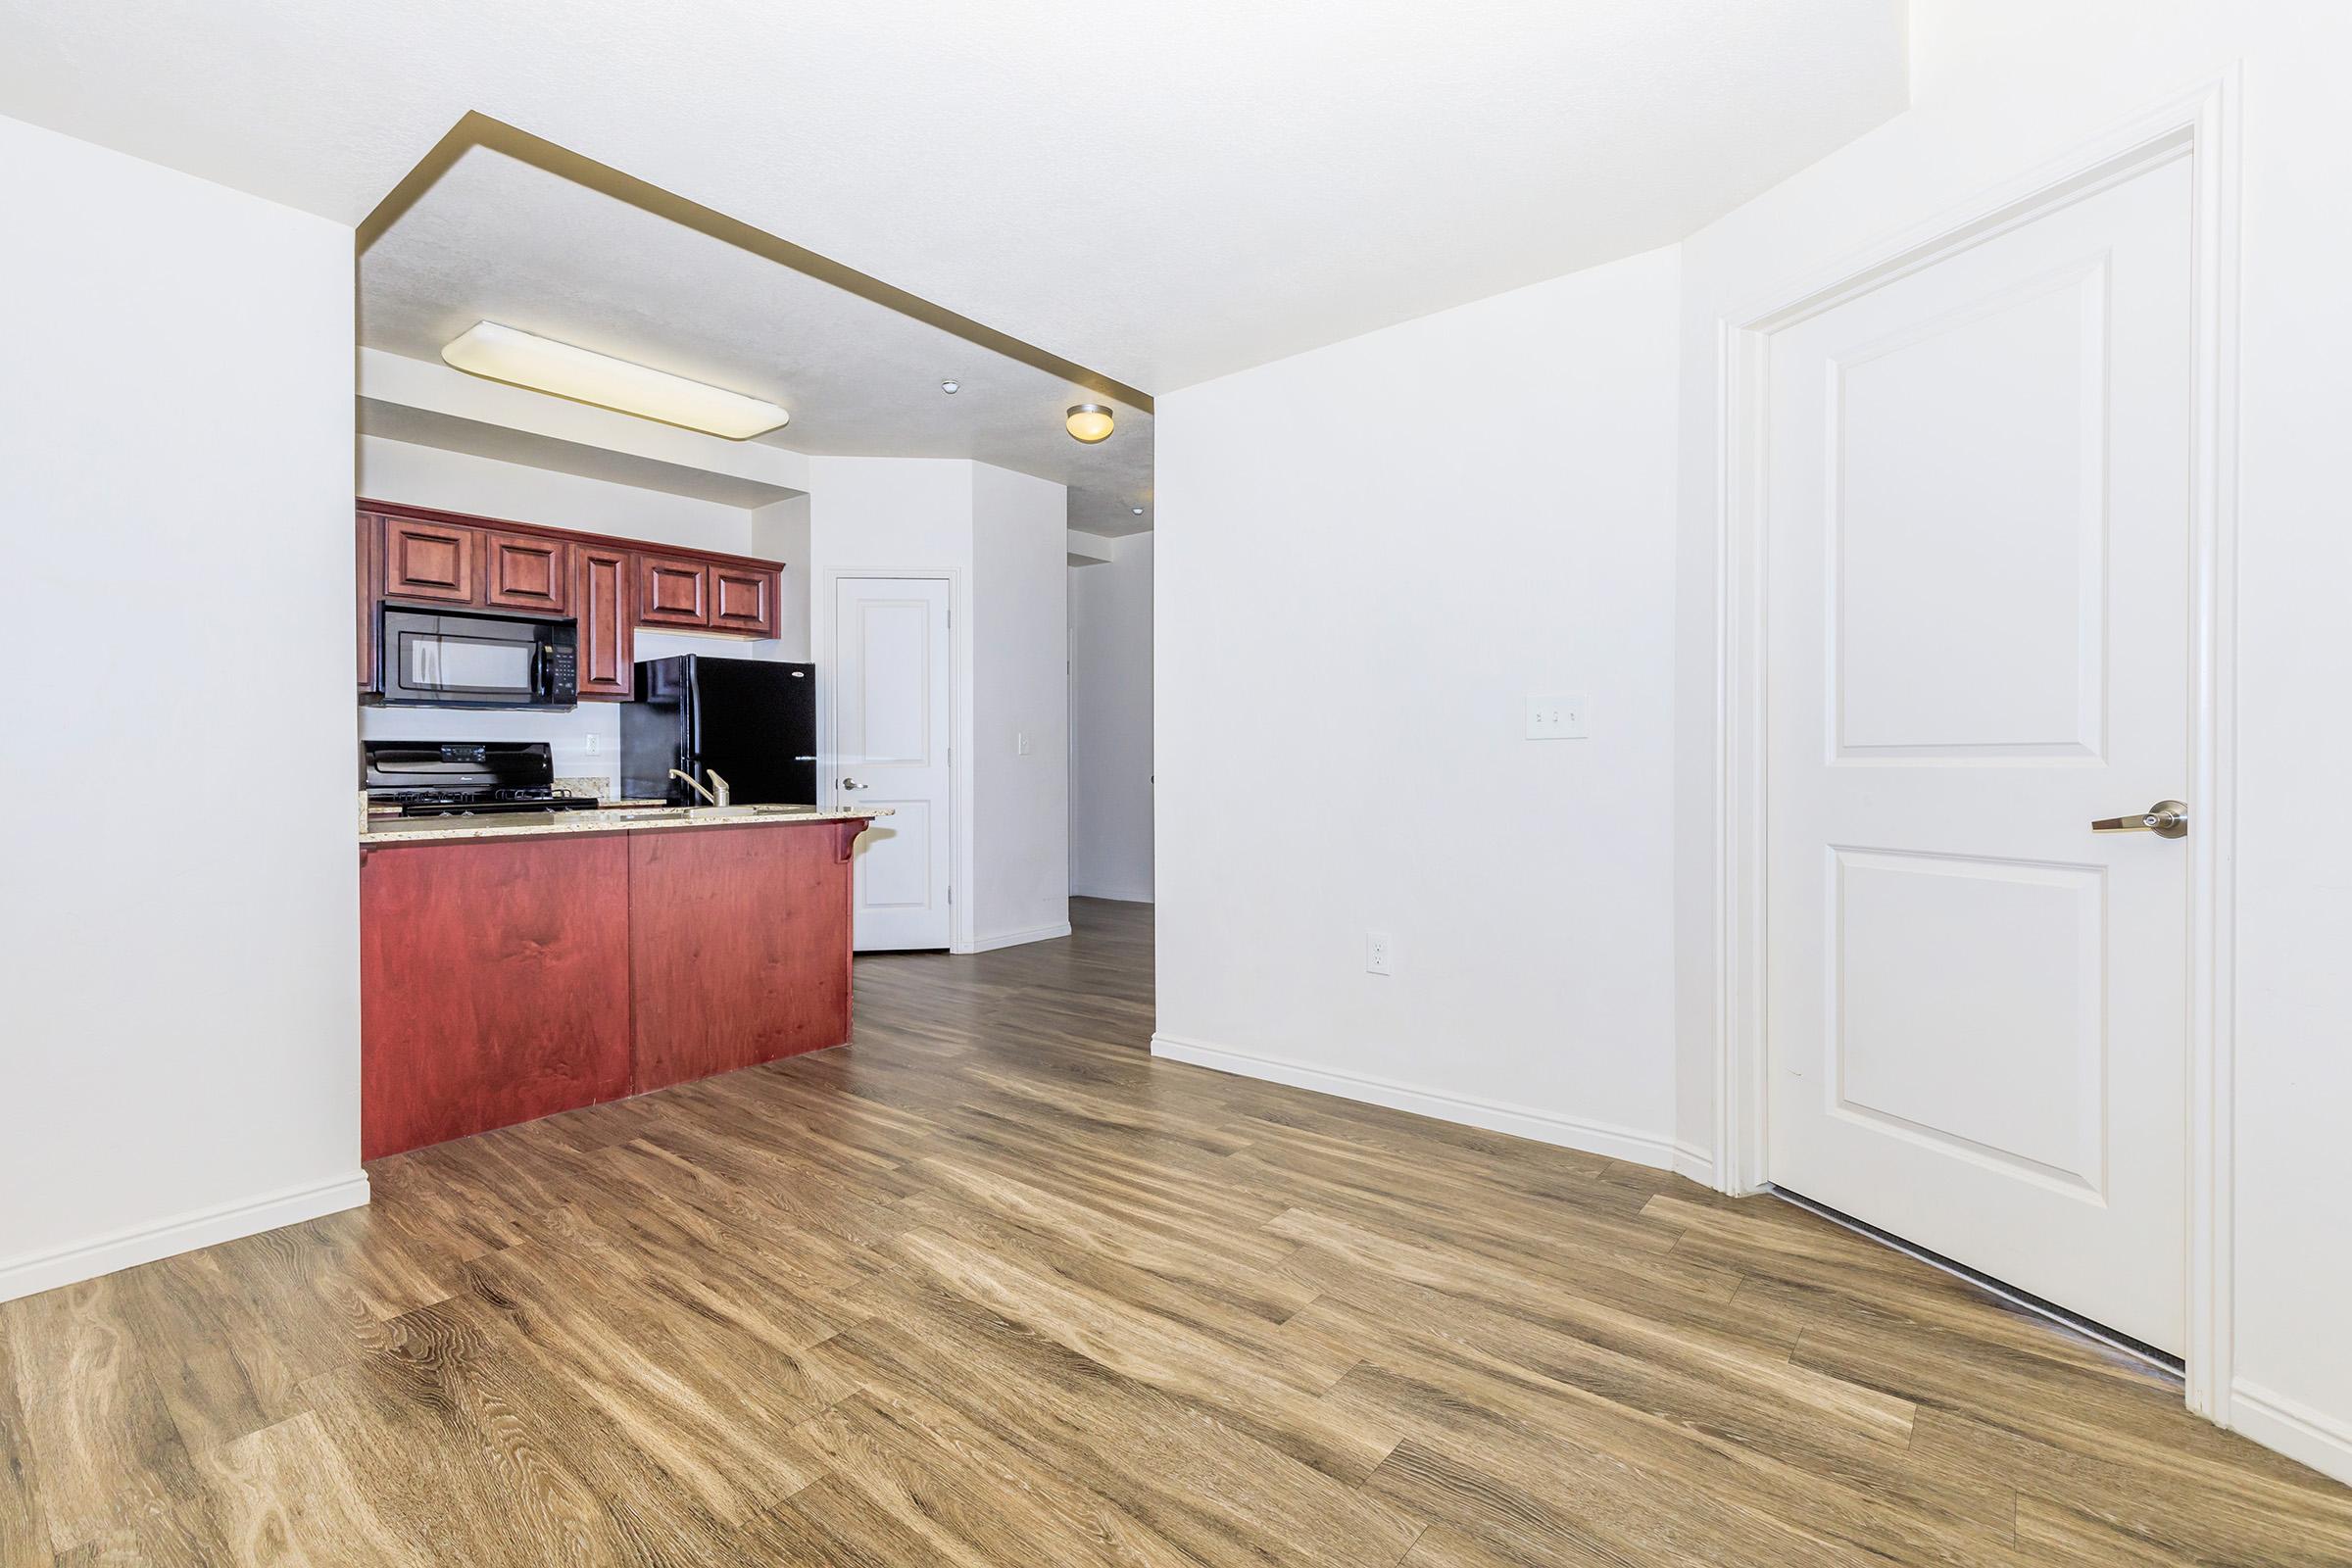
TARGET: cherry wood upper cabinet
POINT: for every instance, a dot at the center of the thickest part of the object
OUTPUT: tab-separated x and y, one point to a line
527	571
429	561
602	584
672	591
743	599
609	585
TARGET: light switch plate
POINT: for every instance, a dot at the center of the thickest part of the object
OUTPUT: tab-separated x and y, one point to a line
1020	743
1555	717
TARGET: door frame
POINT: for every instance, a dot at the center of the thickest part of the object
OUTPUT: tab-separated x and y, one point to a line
828	635
2201	125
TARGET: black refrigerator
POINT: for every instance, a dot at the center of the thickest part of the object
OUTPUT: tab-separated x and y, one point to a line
751	720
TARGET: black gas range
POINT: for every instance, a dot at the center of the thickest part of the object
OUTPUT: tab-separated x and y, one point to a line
454	778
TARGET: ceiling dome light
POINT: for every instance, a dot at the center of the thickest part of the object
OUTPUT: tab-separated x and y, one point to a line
498	353
951	388
1138	511
1089	422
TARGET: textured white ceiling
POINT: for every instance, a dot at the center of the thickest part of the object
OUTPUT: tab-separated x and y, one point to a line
500	240
1163	191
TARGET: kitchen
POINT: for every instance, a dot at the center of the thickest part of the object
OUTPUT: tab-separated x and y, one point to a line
530	946
594	625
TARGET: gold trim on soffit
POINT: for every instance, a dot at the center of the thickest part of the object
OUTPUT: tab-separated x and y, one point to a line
478	129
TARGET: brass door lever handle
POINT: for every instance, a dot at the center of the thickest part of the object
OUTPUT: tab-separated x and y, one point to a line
2166	820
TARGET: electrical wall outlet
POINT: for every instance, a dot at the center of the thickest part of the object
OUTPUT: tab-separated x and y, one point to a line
1380	952
596	743
1556	718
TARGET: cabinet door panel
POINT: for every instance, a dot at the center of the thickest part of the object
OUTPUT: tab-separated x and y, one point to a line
493	984
739	946
672	591
743	599
430	561
601	599
524	571
369	573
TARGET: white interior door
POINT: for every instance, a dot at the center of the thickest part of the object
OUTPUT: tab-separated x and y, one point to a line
1977	566
891	714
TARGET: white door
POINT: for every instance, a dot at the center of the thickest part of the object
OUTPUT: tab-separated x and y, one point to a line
891	711
1978	565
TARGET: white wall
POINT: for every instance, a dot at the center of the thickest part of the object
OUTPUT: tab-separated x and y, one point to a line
1020	693
1111	724
911	516
180	1053
1368	557
459	481
981	527
780	532
2001	86
586	741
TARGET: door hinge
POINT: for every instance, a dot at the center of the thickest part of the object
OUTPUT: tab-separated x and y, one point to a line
951	895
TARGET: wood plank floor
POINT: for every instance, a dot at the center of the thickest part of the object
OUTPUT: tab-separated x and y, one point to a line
990	1286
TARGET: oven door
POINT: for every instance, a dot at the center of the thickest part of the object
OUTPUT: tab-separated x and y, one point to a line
437	659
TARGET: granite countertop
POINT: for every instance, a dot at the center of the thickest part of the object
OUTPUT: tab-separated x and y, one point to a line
610	818
594	789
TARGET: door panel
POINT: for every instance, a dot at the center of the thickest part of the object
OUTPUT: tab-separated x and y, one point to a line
743	600
672	592
901	882
429	561
525	572
369	537
1935	544
494	988
891	728
758	917
1978	547
1958	978
601	601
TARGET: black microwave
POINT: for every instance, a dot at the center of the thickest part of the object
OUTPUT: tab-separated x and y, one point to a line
452	659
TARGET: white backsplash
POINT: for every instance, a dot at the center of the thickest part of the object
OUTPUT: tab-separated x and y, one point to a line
585	741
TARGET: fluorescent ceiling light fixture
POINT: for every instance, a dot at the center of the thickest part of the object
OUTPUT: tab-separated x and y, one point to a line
522	359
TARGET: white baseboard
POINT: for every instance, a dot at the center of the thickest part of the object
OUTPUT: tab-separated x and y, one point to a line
2290	1427
1520	1121
1114	895
34	1273
1695	1163
1013	939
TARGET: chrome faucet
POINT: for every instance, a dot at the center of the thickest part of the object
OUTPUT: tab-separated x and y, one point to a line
722	797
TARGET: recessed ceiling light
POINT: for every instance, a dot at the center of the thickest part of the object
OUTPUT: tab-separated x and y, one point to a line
951	388
522	359
1089	422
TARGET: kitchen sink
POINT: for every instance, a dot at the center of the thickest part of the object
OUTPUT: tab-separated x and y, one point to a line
707	813
701	814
